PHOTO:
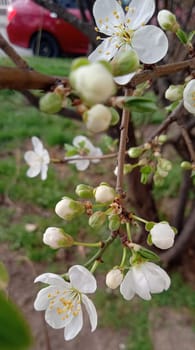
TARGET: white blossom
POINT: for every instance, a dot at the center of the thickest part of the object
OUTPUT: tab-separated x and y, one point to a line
62	301
93	82
143	279
85	148
98	118
38	159
104	194
114	278
128	30
162	235
189	96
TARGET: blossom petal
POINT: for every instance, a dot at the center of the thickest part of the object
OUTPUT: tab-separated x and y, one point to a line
150	43
34	170
44	169
188	96
140	283
189	107
91	310
96	152
42	301
157	278
124	79
139	13
55	319
74	327
37	144
82	279
82	139
31	158
108	15
81	165
53	279
106	50
127	287
45	156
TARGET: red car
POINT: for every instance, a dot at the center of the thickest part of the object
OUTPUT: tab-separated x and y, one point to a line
32	26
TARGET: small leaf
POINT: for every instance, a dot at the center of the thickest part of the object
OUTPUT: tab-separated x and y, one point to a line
148	254
14	331
190	36
70	150
182	36
4	276
172	106
140	104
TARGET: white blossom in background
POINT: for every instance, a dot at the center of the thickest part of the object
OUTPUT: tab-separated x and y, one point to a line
38	159
143	279
114	278
62	301
85	148
128	30
189	97
162	235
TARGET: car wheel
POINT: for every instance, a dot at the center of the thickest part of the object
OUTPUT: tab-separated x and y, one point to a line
44	44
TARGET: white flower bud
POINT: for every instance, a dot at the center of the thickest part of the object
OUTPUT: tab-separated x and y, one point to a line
162	235
167	21
57	238
68	208
94	83
189	96
98	118
174	93
114	278
104	194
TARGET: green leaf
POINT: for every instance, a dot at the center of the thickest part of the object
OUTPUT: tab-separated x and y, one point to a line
190	36
14	331
148	254
182	36
4	277
145	173
140	104
70	150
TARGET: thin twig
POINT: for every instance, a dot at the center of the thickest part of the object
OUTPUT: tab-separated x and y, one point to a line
12	54
69	159
187	140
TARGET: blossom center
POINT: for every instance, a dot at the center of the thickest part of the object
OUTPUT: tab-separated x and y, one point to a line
124	34
66	303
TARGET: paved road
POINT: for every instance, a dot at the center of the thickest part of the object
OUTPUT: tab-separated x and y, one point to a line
22	52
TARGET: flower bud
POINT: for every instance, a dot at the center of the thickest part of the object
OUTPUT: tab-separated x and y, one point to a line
135	152
127	168
163	166
57	238
186	165
167	21
67	208
125	62
79	62
114	222
115	116
50	103
94	83
114	278
97	219
98	118
162	235
174	93
84	191
104	194
162	138
189	96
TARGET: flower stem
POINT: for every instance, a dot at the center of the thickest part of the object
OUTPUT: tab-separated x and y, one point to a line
104	246
123	257
128	231
85	244
139	219
94	267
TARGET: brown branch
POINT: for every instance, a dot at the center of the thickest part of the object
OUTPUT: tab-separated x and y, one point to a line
187	140
12	54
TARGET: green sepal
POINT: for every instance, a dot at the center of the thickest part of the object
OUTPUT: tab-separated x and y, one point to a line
172	106
140	104
115	116
106	64
148	254
79	62
84	191
149	239
70	150
4	277
182	36
14	331
114	222
97	219
145	173
190	36
149	225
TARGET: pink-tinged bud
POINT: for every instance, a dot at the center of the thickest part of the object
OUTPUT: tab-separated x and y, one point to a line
67	208
104	194
57	238
114	278
162	235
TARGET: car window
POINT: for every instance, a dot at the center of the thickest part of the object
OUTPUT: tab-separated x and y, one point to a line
67	3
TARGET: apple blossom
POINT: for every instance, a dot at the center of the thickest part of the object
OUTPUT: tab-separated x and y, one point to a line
143	279
62	301
189	96
114	278
85	148
67	208
162	235
128	31
93	82
98	118
56	238
104	194
38	159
